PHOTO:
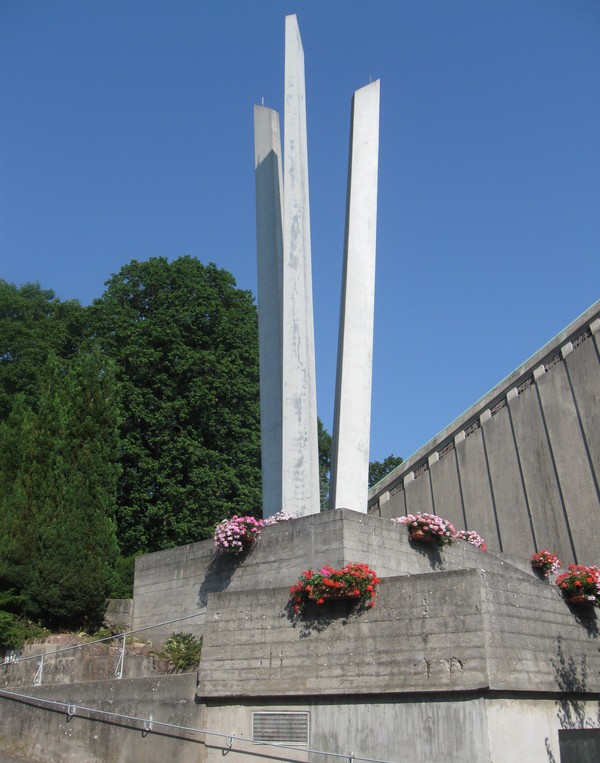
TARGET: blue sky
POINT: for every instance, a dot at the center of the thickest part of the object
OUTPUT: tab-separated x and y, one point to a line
126	132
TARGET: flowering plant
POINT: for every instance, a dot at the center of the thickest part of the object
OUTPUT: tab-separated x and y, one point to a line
281	516
579	580
546	561
353	580
440	528
473	538
232	536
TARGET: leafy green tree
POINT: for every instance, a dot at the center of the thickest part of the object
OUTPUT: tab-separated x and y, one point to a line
379	469
185	343
33	324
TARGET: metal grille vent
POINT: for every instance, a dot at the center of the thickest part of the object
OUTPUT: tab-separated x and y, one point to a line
421	470
446	449
473	428
287	728
553	362
523	386
498	407
582	338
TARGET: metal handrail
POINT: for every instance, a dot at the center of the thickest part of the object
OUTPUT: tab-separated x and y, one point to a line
149	724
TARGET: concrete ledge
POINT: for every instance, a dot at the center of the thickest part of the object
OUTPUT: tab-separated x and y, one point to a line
455	630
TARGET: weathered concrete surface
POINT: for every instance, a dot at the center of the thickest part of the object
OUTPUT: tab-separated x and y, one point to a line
442	631
87	662
40	735
300	447
478	727
352	418
527	455
177	582
453	631
118	613
269	247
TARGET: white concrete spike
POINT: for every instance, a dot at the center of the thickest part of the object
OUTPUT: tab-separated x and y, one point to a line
269	245
352	416
300	448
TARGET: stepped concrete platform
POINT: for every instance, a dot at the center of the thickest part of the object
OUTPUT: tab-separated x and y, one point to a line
467	655
177	582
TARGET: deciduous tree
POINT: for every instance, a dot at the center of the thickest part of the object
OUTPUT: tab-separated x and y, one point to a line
185	343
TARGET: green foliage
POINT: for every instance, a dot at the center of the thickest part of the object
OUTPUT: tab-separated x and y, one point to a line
58	475
379	469
185	342
324	444
124	573
33	325
14	629
183	651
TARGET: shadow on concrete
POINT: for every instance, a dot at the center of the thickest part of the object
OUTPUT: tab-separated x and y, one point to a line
220	571
316	618
587	618
431	552
570	677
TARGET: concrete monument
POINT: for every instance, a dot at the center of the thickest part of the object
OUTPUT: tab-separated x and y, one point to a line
287	356
352	418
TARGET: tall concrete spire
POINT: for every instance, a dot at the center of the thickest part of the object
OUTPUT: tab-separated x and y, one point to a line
287	355
269	246
352	415
300	448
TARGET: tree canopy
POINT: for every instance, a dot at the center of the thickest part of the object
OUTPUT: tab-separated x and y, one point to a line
129	426
379	469
33	325
185	343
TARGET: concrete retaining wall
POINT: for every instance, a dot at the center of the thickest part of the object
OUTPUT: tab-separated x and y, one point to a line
178	582
486	728
39	735
522	465
460	630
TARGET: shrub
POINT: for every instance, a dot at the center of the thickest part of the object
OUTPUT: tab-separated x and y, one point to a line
183	651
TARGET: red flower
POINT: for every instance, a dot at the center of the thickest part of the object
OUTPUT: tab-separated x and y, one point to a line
578	583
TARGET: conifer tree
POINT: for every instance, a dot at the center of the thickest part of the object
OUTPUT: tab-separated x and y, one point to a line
74	476
59	472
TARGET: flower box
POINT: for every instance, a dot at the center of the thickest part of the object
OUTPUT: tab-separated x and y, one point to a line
546	561
421	536
428	528
580	585
355	583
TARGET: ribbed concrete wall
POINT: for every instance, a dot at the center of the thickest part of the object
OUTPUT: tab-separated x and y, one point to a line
521	466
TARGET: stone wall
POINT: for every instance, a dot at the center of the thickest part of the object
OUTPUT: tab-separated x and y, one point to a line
522	465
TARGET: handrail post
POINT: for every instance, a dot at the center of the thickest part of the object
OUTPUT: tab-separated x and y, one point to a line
37	681
121	660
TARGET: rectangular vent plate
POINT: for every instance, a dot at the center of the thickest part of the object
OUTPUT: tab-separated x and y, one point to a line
285	728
